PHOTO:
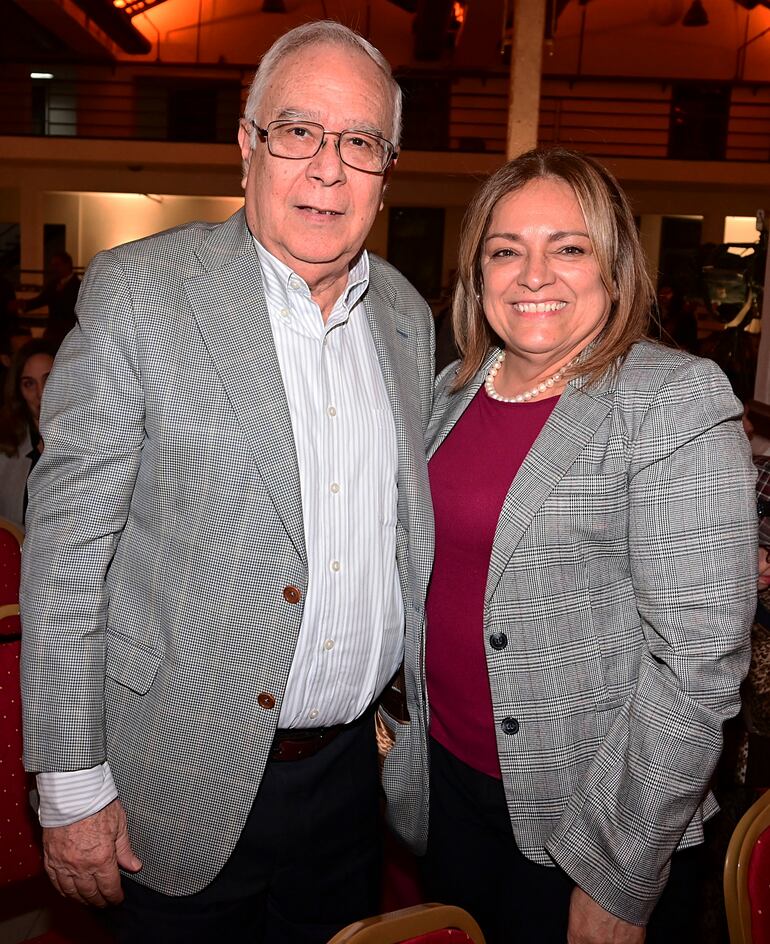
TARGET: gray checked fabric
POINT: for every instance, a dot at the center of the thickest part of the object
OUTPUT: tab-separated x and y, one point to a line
165	521
623	573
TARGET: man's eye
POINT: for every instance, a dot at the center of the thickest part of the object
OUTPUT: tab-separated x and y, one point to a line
297	131
361	143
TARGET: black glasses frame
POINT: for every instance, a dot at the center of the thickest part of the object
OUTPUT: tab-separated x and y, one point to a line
264	134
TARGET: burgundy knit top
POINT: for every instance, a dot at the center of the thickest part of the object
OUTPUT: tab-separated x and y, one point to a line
470	474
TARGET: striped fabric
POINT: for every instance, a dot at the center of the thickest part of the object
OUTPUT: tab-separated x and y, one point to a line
351	639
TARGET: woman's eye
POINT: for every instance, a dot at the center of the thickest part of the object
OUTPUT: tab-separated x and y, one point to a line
572	251
503	253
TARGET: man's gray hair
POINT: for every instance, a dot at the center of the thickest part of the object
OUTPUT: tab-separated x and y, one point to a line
318	33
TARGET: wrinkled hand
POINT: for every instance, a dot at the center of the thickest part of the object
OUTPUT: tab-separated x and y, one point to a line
82	859
589	923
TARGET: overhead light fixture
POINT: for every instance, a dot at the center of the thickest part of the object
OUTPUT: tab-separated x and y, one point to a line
41	75
696	15
133	7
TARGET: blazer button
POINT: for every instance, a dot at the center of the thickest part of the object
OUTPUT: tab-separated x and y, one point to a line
265	700
291	594
510	725
498	641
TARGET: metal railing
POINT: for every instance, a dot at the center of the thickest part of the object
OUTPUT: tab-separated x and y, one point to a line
605	117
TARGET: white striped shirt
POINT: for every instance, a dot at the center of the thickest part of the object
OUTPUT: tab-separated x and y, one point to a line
351	638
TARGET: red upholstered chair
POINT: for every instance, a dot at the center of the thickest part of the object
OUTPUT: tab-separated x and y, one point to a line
420	924
20	856
747	876
25	892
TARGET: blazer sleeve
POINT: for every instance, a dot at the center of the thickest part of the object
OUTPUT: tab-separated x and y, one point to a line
92	424
692	550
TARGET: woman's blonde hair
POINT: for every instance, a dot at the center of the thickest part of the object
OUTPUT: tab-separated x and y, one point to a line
612	230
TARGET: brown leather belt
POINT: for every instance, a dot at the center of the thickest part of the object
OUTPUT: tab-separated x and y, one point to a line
299	743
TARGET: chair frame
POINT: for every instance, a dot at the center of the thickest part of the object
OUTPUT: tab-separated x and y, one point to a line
396	926
736	882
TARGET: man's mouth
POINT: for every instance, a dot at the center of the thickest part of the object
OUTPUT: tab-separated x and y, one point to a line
319	212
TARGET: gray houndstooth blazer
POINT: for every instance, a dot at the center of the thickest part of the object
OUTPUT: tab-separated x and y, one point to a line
623	572
165	521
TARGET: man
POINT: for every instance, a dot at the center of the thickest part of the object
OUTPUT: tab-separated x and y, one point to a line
60	293
228	529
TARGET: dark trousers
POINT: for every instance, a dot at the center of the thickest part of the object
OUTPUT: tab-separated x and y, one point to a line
473	861
307	863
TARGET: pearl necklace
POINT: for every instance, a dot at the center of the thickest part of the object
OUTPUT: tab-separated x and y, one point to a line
542	387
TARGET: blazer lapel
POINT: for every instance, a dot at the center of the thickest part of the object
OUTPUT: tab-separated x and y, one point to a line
568	430
393	345
229	305
443	421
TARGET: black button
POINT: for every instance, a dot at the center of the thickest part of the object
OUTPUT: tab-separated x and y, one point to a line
510	726
498	640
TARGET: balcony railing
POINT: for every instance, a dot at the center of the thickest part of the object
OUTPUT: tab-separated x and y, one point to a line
456	112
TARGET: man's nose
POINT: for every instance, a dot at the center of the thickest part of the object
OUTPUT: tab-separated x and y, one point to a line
326	165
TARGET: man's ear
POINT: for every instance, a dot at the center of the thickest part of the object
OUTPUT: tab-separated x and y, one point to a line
244	142
386	181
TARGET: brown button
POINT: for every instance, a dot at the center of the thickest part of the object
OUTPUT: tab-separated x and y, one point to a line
266	700
291	594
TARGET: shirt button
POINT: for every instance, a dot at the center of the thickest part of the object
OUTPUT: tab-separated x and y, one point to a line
334	487
295	283
291	594
313	714
331	410
329	644
266	700
335	565
285	313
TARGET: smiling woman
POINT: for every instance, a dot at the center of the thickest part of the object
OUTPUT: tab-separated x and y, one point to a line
587	620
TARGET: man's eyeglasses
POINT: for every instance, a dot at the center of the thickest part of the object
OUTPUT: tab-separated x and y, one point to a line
300	140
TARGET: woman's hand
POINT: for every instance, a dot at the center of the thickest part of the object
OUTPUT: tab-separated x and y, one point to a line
589	923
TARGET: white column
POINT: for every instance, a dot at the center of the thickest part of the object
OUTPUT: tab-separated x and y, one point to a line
526	66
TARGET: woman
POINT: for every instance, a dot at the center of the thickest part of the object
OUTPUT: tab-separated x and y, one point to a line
589	611
20	442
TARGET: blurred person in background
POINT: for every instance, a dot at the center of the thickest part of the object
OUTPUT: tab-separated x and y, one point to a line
20	442
60	294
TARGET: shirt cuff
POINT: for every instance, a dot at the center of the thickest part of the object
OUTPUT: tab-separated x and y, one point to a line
71	796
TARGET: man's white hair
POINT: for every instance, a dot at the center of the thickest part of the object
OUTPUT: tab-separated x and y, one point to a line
319	33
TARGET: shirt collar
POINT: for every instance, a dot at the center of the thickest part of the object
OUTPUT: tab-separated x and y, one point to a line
278	275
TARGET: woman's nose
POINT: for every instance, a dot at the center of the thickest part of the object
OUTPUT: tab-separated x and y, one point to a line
535	271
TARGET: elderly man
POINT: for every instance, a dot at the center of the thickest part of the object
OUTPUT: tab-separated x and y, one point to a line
228	528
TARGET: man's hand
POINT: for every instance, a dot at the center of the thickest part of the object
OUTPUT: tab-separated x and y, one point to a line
82	859
589	923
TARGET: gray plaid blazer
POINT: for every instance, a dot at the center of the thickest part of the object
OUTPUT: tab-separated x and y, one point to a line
165	520
623	572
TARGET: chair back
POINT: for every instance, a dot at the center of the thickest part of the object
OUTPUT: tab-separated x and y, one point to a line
20	855
747	876
420	924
